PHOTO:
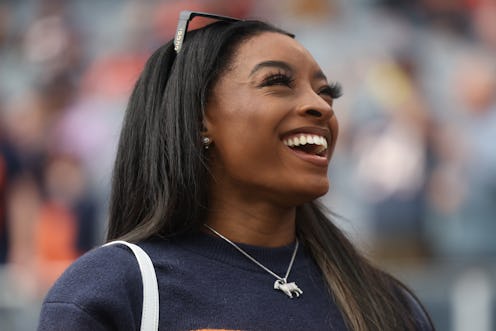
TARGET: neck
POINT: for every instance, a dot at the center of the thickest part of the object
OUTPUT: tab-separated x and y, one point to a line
255	223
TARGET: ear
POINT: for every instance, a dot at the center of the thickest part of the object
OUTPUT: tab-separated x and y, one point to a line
206	132
203	129
207	127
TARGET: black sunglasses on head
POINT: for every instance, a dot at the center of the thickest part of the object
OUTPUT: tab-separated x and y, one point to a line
185	17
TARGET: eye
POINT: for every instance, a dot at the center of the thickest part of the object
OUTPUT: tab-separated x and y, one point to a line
279	78
334	90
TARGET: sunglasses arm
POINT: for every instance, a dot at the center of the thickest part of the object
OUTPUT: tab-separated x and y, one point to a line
182	27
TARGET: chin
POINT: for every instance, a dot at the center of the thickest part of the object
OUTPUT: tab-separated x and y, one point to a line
310	191
318	185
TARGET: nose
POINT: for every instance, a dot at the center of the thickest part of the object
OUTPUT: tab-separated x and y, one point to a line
313	105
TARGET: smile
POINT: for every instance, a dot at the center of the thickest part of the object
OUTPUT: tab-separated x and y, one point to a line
308	143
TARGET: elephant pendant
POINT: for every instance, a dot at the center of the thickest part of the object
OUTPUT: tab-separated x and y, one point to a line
289	288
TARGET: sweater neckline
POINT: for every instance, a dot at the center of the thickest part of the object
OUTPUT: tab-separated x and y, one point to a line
275	258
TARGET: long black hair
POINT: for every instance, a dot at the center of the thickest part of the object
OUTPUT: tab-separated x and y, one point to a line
160	175
160	179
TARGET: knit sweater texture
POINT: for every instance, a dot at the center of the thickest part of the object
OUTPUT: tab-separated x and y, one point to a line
204	284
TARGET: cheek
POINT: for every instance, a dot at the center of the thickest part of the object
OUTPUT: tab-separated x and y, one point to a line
335	132
248	144
246	129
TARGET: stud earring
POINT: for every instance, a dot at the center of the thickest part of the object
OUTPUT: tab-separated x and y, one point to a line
206	142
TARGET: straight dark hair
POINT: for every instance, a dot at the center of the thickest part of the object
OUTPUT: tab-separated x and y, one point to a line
160	179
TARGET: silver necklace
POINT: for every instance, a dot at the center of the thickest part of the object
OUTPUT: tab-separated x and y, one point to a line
281	283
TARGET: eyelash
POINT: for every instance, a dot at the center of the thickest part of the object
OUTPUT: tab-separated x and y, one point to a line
278	79
334	90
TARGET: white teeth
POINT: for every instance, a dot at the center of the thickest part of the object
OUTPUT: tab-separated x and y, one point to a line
306	139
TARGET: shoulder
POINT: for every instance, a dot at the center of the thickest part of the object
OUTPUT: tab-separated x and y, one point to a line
101	267
99	286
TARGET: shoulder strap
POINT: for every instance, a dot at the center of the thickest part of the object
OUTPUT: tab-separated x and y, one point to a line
422	317
149	315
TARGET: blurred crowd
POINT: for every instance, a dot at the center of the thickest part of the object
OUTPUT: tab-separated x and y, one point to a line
414	174
415	163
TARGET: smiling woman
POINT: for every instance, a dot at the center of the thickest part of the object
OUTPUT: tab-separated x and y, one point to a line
225	147
272	92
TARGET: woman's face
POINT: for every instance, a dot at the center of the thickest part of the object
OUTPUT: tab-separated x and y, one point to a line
273	97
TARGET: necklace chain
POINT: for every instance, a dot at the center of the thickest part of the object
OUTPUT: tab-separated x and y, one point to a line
251	258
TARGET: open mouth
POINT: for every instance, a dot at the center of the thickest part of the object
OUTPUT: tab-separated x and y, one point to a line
307	143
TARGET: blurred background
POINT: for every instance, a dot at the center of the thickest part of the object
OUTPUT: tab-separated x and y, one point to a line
413	177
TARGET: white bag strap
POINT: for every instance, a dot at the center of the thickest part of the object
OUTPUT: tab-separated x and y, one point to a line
149	315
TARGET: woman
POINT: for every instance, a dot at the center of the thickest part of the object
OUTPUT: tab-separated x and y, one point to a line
224	149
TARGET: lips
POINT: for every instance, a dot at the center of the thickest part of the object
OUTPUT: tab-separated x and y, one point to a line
310	144
307	143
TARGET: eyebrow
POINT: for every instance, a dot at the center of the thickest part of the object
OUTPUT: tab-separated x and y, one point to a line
273	64
320	75
284	66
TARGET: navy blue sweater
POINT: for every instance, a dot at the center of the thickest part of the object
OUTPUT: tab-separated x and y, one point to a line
204	283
